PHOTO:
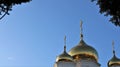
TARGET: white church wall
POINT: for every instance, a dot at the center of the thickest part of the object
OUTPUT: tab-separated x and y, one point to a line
115	66
86	63
64	64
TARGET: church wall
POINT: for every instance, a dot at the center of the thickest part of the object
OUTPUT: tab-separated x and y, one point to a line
86	63
64	64
115	66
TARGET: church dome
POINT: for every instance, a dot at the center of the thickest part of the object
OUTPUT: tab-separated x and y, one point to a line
82	50
64	56
114	61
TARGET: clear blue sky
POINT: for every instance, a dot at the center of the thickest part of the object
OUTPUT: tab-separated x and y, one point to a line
33	34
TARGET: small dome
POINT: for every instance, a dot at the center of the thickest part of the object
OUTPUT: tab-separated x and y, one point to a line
64	57
82	50
114	61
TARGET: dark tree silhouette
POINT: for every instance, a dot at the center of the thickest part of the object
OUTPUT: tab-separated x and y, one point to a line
6	6
110	8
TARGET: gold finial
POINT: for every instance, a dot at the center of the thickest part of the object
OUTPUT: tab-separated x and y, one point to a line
81	29
113	48
81	26
65	43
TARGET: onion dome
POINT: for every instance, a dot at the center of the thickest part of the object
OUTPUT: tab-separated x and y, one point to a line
82	50
114	60
64	56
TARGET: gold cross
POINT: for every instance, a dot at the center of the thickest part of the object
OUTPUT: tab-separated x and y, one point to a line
113	45
65	43
113	48
81	23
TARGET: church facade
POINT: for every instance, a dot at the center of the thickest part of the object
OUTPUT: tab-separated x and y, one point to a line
83	55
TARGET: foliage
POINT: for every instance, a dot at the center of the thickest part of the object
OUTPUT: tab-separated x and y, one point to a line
110	8
6	6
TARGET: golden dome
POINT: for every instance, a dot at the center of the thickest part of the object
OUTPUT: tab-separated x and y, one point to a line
82	50
64	56
114	60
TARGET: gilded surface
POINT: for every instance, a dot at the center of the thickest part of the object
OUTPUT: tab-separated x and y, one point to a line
114	61
64	56
83	48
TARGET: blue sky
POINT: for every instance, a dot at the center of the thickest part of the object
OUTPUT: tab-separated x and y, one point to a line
33	34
